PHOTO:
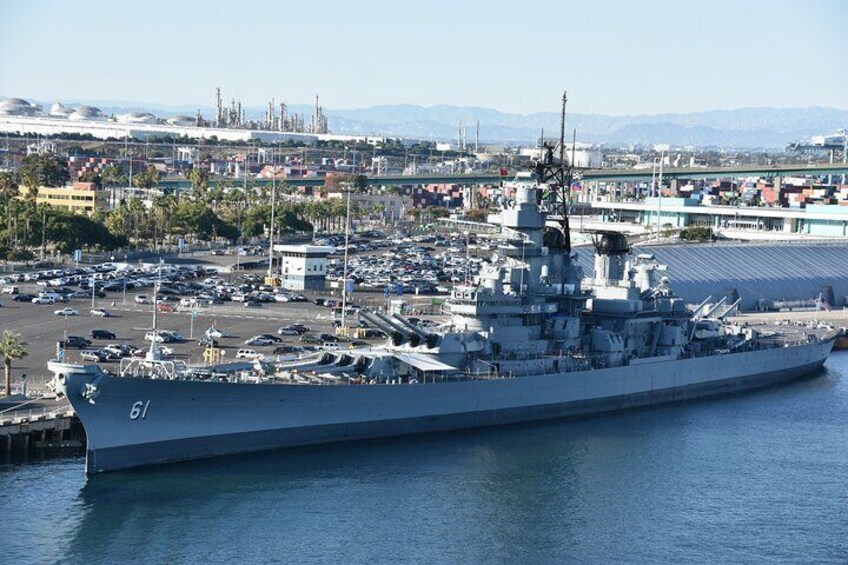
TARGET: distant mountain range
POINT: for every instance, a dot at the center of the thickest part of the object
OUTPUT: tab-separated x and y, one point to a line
747	127
744	127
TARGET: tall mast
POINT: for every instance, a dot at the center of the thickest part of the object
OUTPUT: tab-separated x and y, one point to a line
561	174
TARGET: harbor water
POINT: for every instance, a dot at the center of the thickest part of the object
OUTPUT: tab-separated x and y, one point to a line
757	478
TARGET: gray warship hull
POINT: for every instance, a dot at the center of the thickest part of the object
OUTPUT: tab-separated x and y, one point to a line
133	422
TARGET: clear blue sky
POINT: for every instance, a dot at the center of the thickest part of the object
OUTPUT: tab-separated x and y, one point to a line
614	57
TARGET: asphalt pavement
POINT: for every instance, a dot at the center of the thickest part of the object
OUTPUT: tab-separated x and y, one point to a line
42	329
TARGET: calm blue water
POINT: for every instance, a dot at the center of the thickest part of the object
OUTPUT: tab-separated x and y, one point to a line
757	478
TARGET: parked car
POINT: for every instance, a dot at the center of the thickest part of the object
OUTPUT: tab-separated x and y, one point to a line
309	338
328	337
93	355
142	299
43	300
373	333
258	340
207	341
272	337
171	336
164	307
216	333
9	290
23	297
102	334
252	304
248	354
66	312
100	312
158	337
75	341
119	349
293	329
288	349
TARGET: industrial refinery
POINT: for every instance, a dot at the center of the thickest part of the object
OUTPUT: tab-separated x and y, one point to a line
230	122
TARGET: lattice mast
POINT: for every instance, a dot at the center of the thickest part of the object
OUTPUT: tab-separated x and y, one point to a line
562	175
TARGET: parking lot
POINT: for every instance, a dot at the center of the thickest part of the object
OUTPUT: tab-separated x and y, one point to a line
42	328
237	303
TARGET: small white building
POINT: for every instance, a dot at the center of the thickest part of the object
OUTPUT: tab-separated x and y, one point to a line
303	267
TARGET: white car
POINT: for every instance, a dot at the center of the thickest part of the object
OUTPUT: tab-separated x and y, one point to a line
142	299
150	336
259	341
43	300
215	333
9	290
65	312
249	354
100	312
90	355
165	351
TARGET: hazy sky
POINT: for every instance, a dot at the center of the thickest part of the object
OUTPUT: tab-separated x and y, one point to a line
614	57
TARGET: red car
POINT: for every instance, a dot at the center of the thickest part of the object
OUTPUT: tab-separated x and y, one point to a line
165	307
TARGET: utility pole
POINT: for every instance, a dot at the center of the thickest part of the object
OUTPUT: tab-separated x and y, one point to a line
659	192
43	232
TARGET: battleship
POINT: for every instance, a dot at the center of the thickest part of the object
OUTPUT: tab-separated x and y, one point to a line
528	339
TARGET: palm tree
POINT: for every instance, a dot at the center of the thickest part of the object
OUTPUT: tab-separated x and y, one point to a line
11	347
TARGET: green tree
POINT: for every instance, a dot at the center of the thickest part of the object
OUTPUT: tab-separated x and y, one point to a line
148	178
68	231
113	175
199	182
11	347
43	170
91	176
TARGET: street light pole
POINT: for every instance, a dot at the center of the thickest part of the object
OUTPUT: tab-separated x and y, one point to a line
271	229
347	244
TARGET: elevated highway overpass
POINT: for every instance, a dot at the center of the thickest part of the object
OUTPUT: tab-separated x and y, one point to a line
609	175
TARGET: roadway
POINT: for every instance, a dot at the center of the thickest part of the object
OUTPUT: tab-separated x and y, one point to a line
609	175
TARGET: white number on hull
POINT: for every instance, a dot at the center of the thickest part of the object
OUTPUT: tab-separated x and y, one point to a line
139	410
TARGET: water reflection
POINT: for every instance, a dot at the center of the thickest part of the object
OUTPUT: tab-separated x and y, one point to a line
706	481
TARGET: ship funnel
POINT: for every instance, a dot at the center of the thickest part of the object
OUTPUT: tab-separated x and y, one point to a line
610	251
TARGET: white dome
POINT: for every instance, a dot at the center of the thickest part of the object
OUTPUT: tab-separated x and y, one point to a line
58	110
17	107
137	118
181	121
86	113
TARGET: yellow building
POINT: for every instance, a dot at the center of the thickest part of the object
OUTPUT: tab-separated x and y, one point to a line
79	197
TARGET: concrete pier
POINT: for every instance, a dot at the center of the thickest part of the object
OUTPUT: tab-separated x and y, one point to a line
38	424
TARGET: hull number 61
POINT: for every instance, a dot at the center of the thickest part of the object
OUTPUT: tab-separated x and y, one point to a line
139	410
